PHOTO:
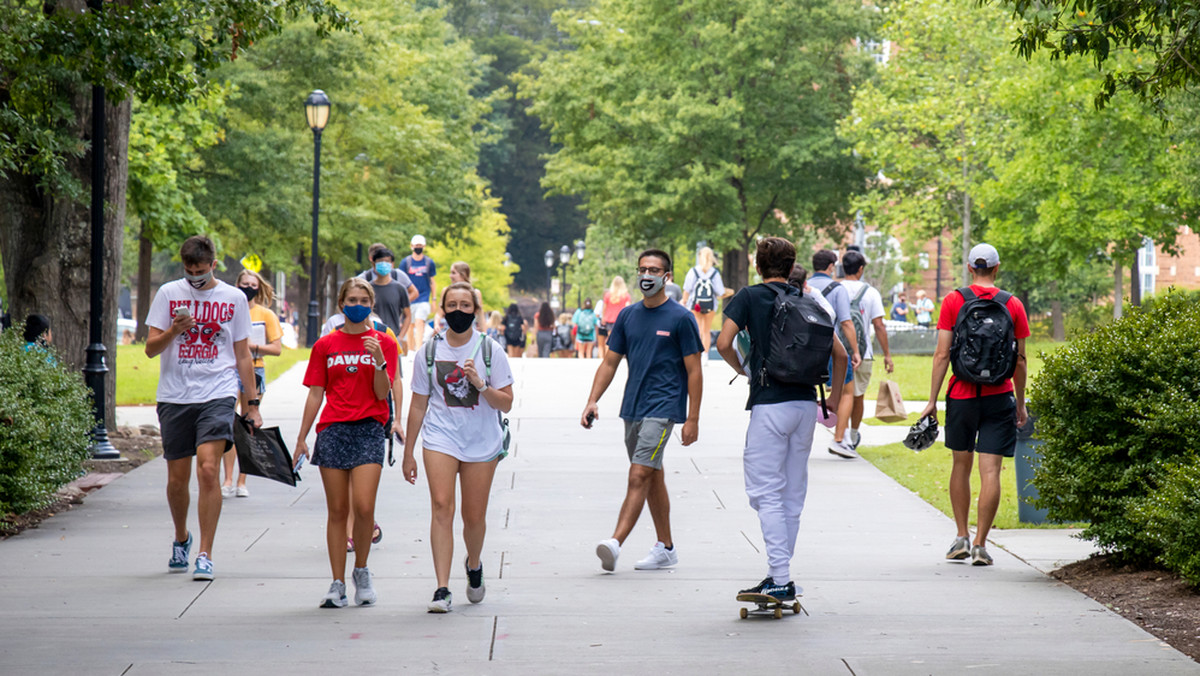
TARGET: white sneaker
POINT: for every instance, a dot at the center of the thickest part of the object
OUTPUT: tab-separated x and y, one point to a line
364	591
842	449
243	492
227	491
336	596
855	438
659	557
608	551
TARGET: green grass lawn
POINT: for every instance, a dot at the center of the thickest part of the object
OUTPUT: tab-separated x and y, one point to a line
913	371
137	374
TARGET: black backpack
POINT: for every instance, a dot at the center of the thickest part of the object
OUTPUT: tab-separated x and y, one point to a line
801	340
512	330
705	297
984	351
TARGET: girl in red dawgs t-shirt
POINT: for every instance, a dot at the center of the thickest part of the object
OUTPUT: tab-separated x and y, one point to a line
352	371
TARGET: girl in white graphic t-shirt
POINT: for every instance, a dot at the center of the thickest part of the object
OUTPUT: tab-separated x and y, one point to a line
457	402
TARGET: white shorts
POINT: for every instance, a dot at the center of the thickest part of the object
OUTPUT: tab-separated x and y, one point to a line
420	311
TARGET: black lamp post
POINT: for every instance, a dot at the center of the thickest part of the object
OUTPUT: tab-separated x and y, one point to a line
95	370
564	257
549	264
579	249
316	109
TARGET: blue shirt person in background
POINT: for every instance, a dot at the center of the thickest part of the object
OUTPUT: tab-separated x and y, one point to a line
661	343
421	270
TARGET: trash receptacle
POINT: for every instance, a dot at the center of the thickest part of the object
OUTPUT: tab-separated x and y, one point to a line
1027	455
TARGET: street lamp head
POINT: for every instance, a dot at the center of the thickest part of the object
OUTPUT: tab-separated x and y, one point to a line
564	254
507	259
316	109
579	248
549	259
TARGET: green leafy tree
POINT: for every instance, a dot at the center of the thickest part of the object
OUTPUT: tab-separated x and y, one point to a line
1165	34
481	246
682	121
51	53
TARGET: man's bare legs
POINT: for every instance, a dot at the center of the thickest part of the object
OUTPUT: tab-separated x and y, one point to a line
646	484
989	492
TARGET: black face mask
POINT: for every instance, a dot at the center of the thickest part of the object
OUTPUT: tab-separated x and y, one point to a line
459	321
250	292
418	250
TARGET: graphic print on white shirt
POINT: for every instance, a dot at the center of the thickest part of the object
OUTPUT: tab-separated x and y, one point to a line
200	364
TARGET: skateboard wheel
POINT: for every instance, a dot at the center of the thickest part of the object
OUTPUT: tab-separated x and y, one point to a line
796	608
778	613
743	612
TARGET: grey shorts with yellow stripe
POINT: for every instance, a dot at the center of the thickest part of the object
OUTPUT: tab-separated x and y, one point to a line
645	440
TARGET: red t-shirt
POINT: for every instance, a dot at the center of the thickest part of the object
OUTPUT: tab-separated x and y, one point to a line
341	364
951	304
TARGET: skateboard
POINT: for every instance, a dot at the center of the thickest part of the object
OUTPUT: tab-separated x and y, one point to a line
768	604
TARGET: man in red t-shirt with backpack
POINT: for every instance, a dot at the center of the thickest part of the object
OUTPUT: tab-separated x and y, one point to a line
981	334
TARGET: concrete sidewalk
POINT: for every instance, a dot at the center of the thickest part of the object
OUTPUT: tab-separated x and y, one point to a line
88	592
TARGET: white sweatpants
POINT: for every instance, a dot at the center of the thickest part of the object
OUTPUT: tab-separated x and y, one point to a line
778	443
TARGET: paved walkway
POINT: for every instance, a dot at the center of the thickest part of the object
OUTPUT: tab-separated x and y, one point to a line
88	592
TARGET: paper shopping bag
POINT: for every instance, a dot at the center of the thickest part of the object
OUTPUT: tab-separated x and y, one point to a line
889	407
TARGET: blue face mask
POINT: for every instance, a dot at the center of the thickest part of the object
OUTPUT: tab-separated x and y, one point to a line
383	268
356	313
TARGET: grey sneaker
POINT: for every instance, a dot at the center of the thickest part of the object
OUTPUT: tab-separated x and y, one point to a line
475	588
960	550
336	597
608	551
441	601
364	591
980	556
179	555
842	449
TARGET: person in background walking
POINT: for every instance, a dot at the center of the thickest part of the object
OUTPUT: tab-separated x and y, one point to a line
702	287
392	304
352	370
421	270
659	340
824	264
564	337
585	322
495	327
266	339
201	327
900	308
866	301
38	335
462	384
460	271
924	308
615	300
514	331
545	330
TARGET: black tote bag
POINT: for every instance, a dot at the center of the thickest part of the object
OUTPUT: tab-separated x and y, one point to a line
261	452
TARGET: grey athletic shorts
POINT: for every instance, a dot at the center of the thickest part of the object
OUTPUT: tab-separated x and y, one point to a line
645	440
186	426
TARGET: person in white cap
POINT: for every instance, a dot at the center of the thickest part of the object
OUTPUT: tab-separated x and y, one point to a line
981	333
421	270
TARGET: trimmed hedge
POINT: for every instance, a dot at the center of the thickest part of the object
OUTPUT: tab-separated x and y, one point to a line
1117	412
45	425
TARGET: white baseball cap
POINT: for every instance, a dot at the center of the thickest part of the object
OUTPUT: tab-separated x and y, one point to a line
986	253
417	240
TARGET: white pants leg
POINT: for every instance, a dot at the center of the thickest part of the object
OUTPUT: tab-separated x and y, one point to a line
778	443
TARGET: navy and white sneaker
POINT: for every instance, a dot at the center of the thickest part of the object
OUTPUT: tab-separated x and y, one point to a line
758	588
179	555
475	588
783	592
441	601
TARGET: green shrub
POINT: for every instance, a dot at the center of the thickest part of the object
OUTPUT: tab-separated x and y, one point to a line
1170	517
45	425
1117	408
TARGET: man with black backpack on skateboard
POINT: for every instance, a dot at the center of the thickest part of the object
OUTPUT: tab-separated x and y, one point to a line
981	335
791	342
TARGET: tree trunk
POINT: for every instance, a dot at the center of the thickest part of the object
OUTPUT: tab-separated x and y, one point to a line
145	258
45	240
1135	280
1118	291
735	271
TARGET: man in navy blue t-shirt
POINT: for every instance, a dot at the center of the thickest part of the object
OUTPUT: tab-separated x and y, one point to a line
661	343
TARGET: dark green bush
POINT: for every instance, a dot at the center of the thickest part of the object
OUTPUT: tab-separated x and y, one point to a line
1117	409
45	425
1170	517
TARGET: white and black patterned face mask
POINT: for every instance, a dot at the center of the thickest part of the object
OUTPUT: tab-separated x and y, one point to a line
198	281
651	284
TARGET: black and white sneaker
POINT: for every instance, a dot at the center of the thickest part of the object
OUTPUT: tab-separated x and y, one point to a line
758	588
336	596
475	588
783	592
441	601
